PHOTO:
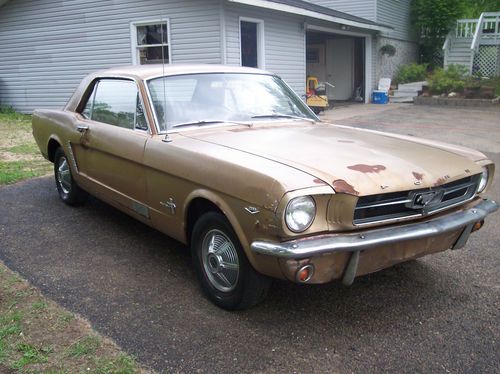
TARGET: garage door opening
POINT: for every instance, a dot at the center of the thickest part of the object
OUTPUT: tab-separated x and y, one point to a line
340	61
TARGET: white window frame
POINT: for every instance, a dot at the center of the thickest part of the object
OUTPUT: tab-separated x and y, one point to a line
133	38
261	50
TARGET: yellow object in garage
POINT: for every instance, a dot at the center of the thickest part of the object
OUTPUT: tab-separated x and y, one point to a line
315	99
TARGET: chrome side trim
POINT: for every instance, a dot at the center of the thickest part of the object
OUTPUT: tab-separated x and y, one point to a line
72	158
141	209
369	239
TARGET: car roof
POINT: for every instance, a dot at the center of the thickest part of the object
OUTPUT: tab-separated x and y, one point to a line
145	72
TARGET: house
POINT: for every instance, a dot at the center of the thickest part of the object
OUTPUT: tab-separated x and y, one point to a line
47	46
475	44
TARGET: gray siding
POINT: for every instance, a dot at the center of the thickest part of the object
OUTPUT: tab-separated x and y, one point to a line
284	37
395	13
360	8
49	45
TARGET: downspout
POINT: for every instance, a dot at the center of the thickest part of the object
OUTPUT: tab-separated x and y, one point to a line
368	67
223	46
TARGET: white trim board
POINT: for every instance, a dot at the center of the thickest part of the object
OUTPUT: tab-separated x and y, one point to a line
308	13
261	49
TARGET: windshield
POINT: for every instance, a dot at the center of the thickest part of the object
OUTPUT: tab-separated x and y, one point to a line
199	99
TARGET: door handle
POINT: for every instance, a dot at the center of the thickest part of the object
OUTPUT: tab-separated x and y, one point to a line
82	128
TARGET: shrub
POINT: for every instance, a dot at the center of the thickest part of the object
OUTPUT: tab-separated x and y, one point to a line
411	73
446	81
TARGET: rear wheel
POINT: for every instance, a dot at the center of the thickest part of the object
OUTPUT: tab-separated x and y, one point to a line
226	276
68	190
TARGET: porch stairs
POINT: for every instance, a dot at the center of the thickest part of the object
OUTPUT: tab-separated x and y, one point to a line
459	51
406	92
475	44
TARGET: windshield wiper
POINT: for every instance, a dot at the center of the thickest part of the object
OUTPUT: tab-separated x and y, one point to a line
280	115
206	122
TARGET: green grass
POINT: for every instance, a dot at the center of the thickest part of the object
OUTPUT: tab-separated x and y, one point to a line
40	304
38	336
14	171
10	325
31	355
85	346
122	364
64	319
24	149
20	157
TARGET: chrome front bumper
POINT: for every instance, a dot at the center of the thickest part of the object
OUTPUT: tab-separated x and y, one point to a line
369	239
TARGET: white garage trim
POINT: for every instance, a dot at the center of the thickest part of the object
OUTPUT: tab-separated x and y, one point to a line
368	53
309	13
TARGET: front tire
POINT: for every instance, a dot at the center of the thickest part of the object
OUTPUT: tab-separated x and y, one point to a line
68	190
225	274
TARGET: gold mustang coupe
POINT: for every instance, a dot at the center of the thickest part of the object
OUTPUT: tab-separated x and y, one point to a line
230	161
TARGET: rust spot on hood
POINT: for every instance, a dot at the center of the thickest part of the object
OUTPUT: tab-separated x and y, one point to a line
367	168
418	176
318	181
440	181
341	186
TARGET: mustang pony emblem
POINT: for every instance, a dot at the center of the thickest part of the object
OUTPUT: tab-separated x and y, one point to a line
425	200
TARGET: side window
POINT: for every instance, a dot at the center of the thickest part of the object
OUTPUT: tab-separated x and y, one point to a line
140	118
87	110
116	102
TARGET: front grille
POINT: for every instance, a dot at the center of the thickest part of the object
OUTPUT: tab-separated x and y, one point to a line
410	204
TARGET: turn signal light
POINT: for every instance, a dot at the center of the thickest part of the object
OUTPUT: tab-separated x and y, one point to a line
305	273
477	225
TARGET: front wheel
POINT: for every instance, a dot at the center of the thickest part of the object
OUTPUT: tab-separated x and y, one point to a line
226	276
68	190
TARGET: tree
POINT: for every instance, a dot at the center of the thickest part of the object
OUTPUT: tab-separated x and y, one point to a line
474	8
433	20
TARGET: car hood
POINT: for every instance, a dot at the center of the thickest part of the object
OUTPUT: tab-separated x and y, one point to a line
351	160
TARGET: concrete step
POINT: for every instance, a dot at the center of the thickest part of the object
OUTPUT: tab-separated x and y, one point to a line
405	99
411	86
405	93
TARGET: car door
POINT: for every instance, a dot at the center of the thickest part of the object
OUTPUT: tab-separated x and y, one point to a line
110	150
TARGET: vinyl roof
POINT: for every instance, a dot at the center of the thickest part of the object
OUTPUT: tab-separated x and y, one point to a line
157	70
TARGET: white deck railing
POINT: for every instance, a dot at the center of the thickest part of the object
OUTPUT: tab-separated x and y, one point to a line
465	28
489	26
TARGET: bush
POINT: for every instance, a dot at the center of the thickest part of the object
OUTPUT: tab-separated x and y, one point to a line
450	80
411	73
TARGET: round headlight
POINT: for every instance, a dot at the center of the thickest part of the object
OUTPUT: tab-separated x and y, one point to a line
484	180
300	213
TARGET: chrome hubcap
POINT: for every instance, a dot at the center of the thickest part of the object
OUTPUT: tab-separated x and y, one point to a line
220	261
64	175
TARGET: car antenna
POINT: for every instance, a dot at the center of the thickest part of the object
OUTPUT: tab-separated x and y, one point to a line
167	139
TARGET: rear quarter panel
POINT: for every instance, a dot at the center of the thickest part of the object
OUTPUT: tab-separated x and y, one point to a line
58	125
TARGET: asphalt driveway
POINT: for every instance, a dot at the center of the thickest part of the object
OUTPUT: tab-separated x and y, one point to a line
438	314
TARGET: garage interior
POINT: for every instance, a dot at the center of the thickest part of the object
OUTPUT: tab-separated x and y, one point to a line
339	60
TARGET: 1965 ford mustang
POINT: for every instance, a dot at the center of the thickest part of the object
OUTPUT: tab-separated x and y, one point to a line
231	161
